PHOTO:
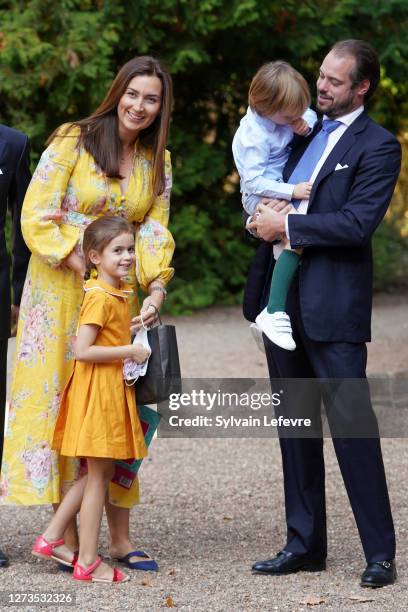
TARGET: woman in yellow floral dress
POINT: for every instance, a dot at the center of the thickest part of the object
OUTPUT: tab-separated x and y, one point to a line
113	162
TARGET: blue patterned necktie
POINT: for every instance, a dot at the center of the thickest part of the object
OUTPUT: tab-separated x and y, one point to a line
308	162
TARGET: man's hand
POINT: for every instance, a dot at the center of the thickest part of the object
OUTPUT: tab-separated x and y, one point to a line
282	206
300	127
268	223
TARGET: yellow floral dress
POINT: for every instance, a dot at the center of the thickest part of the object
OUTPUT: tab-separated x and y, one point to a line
68	180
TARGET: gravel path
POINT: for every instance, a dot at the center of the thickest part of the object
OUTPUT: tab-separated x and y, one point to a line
211	507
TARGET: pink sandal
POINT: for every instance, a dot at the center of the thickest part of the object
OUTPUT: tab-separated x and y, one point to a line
45	550
85	574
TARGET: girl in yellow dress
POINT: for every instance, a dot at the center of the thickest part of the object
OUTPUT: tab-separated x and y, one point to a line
97	418
112	163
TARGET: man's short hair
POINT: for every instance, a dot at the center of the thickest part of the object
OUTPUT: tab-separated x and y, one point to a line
367	62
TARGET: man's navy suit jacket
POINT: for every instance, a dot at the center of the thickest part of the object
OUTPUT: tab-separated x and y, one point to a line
14	179
345	207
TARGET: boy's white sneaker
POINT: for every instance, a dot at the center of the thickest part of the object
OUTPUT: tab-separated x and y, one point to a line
276	326
257	336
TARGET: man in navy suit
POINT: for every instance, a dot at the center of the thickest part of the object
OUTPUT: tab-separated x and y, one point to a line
330	309
14	179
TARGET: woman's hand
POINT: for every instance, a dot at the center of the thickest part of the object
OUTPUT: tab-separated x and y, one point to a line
74	262
56	216
149	311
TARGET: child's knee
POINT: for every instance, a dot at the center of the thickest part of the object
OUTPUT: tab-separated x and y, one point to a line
103	469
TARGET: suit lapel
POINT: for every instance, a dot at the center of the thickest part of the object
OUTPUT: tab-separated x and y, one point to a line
339	150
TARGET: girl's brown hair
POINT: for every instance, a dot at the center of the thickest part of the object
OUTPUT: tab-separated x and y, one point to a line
278	87
100	233
100	133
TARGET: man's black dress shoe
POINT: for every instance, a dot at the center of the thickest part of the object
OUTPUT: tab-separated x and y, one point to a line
379	574
3	559
288	563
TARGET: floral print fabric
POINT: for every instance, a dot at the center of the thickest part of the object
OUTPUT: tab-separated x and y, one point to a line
67	192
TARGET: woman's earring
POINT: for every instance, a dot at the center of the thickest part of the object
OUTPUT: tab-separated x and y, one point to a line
93	273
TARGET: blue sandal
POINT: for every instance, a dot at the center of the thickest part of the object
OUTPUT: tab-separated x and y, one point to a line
69	568
149	565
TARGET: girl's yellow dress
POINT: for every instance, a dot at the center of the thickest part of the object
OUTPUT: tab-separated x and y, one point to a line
67	179
97	416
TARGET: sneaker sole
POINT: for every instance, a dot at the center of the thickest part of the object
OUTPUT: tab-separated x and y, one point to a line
258	339
275	341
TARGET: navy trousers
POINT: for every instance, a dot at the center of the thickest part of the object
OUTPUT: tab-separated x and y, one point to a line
360	459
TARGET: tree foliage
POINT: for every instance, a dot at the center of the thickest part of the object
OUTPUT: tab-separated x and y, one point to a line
58	57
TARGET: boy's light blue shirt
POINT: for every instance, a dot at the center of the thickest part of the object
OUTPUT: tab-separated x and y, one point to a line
261	150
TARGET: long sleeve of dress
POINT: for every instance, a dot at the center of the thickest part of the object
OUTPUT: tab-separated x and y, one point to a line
48	188
154	242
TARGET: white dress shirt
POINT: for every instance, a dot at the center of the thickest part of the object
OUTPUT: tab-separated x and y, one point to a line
334	137
261	150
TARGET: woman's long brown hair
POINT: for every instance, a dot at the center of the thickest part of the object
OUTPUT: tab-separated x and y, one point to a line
100	133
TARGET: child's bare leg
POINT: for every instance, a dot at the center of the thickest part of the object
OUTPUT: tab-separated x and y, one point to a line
71	533
64	515
100	472
118	519
71	536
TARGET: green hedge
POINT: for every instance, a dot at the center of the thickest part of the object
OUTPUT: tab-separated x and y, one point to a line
57	59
